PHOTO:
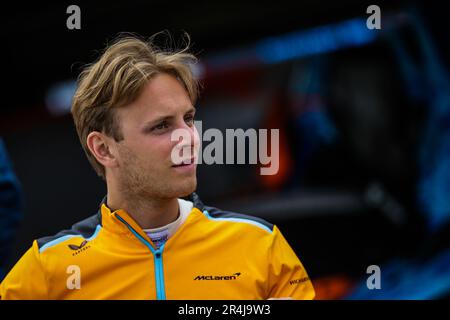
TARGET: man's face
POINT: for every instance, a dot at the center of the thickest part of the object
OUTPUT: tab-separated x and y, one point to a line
145	167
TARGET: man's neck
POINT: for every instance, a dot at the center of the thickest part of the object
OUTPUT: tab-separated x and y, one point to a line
148	213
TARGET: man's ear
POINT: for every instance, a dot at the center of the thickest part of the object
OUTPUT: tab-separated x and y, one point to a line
101	147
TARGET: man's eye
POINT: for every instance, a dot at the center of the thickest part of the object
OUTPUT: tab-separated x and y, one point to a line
189	119
162	125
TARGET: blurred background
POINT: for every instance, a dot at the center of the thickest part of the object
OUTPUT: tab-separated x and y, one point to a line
364	120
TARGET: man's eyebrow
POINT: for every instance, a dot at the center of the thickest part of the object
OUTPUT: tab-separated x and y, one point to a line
154	122
191	109
157	120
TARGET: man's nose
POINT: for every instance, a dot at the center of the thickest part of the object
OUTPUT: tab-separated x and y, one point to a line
184	137
188	132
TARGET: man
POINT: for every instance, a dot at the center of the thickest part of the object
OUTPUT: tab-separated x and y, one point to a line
146	242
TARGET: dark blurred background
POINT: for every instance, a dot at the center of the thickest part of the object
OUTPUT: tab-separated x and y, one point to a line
364	119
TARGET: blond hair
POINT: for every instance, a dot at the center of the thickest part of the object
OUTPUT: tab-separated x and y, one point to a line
117	79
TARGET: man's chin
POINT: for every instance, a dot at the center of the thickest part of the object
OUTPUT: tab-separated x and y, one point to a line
187	188
182	187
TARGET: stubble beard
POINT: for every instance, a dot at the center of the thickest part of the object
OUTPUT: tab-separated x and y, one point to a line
137	183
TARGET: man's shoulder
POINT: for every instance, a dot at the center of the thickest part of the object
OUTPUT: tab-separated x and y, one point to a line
85	229
216	214
242	219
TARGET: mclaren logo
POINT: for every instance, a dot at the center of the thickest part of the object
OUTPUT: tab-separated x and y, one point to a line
231	277
298	281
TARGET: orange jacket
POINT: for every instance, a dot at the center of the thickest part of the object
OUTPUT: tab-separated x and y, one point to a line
213	255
